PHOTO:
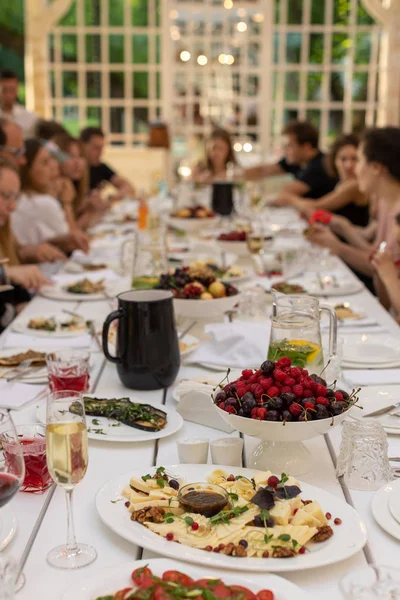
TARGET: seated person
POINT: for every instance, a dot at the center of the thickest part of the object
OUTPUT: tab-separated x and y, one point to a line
12	143
46	130
219	153
39	217
346	199
82	208
92	139
303	159
9	107
378	174
387	280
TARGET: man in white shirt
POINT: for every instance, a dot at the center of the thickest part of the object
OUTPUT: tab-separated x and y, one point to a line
9	108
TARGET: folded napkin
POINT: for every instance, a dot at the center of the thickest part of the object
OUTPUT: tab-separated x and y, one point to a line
362	377
20	340
237	344
197	407
15	395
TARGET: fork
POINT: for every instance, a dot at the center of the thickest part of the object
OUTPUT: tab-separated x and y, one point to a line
20	370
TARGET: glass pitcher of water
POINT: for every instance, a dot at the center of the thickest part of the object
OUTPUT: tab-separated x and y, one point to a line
296	333
144	258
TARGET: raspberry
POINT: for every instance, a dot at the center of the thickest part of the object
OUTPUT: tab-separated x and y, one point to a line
252	379
258	373
296	409
284	362
289	381
286	389
254	386
273	391
273	481
254	414
321	390
261	413
221	405
323	401
307	393
247	373
231	410
298	390
313	387
266	382
295	372
339	396
309	405
241	391
279	375
258	390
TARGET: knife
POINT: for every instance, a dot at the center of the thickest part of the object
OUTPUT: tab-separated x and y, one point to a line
382	411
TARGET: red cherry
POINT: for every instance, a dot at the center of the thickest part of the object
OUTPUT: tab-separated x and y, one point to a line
309	405
296	409
222	405
231	410
273	481
261	413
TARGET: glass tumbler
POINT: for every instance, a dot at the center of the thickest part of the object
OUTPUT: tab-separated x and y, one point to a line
363	458
372	583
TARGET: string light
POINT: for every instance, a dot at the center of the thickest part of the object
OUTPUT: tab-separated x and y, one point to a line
175	33
173	14
228	4
258	18
237	146
247	147
241	26
184	55
221	59
202	60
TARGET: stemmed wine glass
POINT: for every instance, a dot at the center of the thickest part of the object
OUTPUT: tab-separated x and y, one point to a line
12	473
67	461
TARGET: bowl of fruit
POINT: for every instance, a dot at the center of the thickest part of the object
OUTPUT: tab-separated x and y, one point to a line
233	241
191	219
197	293
283	406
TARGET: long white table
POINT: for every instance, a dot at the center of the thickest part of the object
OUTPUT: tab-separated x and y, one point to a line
106	460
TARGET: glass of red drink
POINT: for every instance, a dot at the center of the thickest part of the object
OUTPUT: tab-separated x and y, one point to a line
12	472
68	370
32	439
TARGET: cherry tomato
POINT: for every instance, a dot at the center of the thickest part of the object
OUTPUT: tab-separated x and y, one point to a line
221	591
121	594
207	583
177	577
161	593
140	575
242	592
265	595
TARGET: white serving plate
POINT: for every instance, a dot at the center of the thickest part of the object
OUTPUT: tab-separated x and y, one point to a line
123	433
8	526
192	225
58	292
343	288
394	501
20	325
119	577
375	397
348	539
369	351
193	342
39	376
204	309
381	511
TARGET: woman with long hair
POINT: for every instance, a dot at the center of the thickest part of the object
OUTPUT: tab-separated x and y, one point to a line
219	153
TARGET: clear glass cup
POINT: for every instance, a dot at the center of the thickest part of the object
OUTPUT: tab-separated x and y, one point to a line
253	305
255	238
67	460
372	583
32	439
12	466
68	370
363	458
8	577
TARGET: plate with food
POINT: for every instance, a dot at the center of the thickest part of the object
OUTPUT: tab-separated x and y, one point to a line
124	419
12	358
83	289
284	287
210	268
58	325
331	285
191	219
159	576
231	518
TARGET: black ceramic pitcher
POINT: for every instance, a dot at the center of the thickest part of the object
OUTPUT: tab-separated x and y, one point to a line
222	198
147	348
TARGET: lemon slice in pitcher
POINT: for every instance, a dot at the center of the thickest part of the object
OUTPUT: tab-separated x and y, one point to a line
311	355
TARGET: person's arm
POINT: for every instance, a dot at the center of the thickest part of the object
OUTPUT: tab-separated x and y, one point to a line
387	272
76	240
263	171
27	276
37	253
353	234
123	186
354	257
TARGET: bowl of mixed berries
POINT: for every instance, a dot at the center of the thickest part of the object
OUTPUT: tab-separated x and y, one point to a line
283	406
192	218
233	241
197	293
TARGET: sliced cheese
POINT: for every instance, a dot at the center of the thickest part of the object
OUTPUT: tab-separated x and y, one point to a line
304	518
281	512
315	510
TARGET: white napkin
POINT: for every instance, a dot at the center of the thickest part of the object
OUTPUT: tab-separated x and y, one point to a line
362	377
20	340
237	344
15	395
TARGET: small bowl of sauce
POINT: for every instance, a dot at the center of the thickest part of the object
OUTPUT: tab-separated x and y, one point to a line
206	499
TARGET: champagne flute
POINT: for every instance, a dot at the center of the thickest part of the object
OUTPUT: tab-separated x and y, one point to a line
256	238
67	461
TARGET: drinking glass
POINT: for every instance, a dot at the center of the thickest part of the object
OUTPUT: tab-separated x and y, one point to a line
12	467
32	439
67	460
256	238
68	370
8	577
372	583
363	458
253	305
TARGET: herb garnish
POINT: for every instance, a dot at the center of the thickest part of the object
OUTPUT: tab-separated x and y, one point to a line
224	516
97	431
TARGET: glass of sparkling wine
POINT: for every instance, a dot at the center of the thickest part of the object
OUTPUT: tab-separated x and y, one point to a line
255	238
67	461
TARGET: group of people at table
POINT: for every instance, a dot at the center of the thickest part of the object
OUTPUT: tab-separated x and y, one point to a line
51	193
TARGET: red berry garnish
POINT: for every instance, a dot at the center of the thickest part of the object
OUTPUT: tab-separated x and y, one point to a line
323	401
296	409
273	481
127	504
298	390
328	516
258	391
195	526
273	391
284	362
247	373
302	550
339	396
337	521
208	548
170	537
